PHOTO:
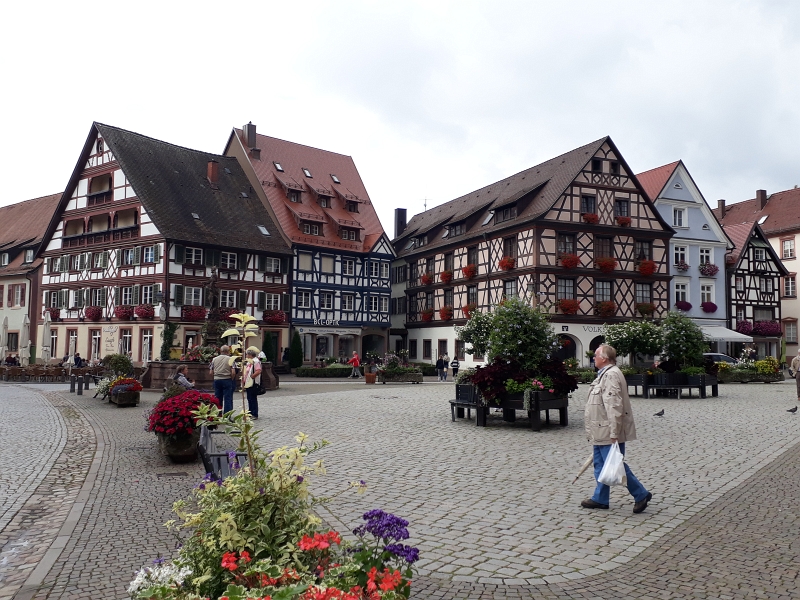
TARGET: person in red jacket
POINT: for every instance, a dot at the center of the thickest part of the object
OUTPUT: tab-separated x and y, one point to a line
356	362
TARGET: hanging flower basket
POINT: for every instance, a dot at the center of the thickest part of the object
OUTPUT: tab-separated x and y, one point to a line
605	308
624	221
93	313
606	264
647	267
683	305
767	328
708	270
145	311
745	327
123	312
468	310
568	306
469	271
682	266
274	317
646	308
506	263
569	261
426	279
446	313
591	218
446	276
193	313
427	315
708	307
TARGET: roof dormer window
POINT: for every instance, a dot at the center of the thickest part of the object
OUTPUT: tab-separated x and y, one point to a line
278	166
324	202
307	173
335	178
294	196
29	255
4	259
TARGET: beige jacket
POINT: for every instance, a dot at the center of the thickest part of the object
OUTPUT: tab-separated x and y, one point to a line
795	364
608	409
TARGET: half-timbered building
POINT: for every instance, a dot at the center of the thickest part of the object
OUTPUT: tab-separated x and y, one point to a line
779	218
576	235
754	273
340	270
696	252
140	228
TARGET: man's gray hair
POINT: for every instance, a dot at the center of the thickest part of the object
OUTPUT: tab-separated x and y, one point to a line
607	352
224	349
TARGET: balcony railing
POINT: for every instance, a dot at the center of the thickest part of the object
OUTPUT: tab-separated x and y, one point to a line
100	237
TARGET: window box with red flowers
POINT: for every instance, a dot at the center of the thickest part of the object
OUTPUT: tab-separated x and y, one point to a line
93	313
468	310
745	327
224	314
193	313
591	218
426	279
145	311
55	313
606	308
606	264
446	276
647	267
469	271
624	221
708	307
646	309
506	263
123	312
682	266
767	328
708	270
427	315
274	317
569	261
683	305
568	306
446	313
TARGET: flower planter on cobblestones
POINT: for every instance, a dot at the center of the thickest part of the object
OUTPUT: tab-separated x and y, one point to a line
181	449
403	378
125	399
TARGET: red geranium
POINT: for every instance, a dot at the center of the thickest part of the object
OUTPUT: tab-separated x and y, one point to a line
123	312
427	314
145	311
568	306
591	218
93	313
506	263
446	313
569	261
606	264
446	276
469	271
426	279
647	267
173	416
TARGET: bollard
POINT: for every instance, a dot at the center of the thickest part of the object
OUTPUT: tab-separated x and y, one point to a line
72	379
80	386
86	379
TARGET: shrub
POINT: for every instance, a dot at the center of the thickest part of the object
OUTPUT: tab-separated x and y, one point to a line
647	267
468	310
201	354
118	363
569	261
693	371
634	337
476	332
767	366
296	351
174	416
522	333
568	306
267	348
167	335
683	340
606	264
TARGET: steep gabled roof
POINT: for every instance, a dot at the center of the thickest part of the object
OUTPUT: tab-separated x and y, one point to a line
23	226
742	233
782	211
654	180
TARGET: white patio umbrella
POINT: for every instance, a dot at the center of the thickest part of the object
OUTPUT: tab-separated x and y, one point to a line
25	342
3	338
71	354
46	339
145	352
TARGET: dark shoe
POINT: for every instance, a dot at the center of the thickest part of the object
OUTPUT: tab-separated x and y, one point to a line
589	503
642	504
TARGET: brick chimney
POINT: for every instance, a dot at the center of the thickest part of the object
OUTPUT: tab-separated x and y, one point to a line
213	171
249	131
399	221
721	207
761	198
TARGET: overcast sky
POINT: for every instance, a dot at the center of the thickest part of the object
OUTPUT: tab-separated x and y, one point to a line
432	99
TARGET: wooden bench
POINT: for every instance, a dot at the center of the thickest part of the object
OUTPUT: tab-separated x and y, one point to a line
699	382
216	463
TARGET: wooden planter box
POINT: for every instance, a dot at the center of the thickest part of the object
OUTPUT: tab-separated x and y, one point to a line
125	399
666	379
403	378
540	401
748	377
642	380
370	377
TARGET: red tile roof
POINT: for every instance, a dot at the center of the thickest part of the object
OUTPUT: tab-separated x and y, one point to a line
739	235
293	158
782	211
654	180
23	226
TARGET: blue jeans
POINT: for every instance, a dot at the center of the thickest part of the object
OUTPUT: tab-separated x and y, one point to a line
252	400
602	491
223	390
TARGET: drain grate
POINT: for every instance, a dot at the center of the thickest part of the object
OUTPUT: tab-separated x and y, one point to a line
175	474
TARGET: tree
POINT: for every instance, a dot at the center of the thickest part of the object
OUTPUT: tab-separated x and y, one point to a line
296	352
638	336
266	347
476	332
683	340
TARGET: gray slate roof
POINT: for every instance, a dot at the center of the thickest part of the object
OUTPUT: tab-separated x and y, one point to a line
171	183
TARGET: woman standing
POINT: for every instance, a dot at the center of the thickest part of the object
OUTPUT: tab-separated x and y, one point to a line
793	372
455	365
252	379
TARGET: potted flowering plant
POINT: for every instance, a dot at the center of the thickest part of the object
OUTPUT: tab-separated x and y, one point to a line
145	311
647	267
605	308
683	305
469	271
468	310
569	261
506	263
591	218
174	421
767	328
274	317
124	391
646	309
745	327
224	314
446	313
623	221
427	315
568	306
426	279
708	270
124	312
203	354
446	276
193	313
682	266
93	313
708	307
606	264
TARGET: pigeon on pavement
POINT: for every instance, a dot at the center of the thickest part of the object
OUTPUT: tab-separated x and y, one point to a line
659	413
792	410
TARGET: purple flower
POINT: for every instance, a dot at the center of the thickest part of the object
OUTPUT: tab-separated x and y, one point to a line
407	553
383	525
159	560
261	491
232	455
299	479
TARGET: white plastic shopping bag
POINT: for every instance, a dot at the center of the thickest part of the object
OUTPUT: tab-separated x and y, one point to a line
613	471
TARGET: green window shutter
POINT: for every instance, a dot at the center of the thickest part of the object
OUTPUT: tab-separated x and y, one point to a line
156	253
217	258
208	258
262	263
64	266
104	262
286	265
262	300
285	302
136	294
116	296
178	299
79	298
63	298
180	254
81	262
241	261
242	300
102	297
137	255
156	290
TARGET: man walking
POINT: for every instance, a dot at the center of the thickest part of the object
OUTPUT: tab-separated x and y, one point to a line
223	378
609	419
439	367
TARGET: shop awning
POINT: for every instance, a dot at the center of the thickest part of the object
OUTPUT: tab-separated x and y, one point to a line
721	334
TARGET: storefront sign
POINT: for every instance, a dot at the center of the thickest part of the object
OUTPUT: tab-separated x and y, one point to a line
330	330
326	322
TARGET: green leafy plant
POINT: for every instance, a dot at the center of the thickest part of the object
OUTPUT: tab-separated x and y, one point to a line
634	337
296	352
167	335
683	340
118	363
693	371
767	366
267	347
522	333
476	332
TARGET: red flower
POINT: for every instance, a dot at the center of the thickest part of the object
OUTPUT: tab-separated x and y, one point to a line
229	561
245	556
